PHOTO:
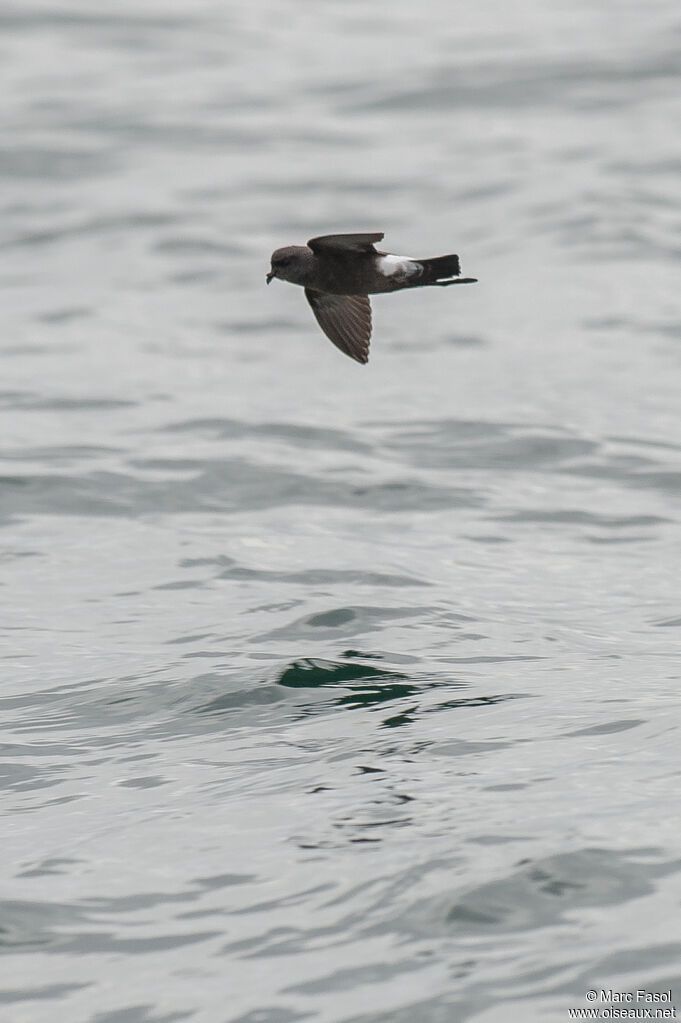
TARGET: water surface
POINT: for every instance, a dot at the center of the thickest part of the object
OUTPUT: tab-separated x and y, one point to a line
333	692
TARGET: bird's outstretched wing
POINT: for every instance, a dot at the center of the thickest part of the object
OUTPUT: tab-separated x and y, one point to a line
345	242
345	319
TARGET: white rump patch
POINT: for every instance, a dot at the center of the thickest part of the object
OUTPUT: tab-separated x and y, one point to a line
402	266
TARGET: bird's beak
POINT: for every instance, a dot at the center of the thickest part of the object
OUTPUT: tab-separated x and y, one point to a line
269	276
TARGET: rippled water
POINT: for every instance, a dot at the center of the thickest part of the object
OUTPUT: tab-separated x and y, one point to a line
332	692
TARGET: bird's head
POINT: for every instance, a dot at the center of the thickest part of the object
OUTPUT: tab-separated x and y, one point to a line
293	264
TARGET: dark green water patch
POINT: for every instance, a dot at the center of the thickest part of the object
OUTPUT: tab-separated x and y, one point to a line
364	685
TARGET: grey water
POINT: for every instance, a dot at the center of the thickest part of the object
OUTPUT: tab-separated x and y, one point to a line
329	692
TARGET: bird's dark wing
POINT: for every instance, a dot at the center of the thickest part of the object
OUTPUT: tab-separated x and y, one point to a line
345	242
345	319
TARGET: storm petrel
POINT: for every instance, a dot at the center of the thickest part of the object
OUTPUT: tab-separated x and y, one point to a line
340	271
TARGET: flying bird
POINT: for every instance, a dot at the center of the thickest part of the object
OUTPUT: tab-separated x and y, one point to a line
340	271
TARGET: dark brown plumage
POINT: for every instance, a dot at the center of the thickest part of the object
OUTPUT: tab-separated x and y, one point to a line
345	319
339	271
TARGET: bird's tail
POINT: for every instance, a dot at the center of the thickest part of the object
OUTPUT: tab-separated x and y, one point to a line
442	271
440	268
